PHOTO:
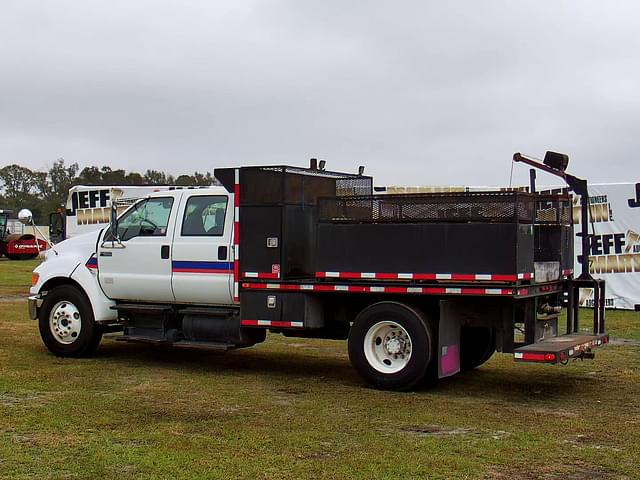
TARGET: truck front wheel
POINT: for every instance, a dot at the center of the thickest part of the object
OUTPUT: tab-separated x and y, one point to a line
66	323
390	345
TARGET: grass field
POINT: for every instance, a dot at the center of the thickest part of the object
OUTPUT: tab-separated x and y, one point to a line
294	408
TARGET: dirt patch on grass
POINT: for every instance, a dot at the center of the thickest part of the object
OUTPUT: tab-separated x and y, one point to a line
317	455
572	472
587	442
624	342
441	431
12	399
555	412
18	297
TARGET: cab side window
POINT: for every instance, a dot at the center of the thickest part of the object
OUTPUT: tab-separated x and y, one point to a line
147	218
204	216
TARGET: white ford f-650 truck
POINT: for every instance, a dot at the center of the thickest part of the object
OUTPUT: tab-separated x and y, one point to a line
422	285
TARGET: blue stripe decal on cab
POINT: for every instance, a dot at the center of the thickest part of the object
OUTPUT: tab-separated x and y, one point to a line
201	267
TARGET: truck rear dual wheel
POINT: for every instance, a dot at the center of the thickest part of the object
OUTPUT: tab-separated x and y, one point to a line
66	323
477	345
391	345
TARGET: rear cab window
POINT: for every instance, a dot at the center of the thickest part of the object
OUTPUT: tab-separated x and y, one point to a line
204	216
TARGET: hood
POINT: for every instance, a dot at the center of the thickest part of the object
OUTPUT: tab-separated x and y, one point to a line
81	246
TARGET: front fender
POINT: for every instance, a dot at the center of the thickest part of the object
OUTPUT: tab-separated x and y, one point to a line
54	267
63	269
101	305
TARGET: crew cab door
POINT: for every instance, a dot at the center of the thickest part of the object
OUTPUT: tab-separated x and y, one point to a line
202	268
139	266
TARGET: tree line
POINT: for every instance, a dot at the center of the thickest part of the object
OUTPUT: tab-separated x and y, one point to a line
43	192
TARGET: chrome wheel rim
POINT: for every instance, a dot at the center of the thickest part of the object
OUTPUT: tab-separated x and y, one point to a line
65	322
387	347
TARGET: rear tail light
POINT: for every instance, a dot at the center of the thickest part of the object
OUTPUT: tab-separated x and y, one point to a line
536	357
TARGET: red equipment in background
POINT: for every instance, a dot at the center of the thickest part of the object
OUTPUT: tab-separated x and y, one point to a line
18	246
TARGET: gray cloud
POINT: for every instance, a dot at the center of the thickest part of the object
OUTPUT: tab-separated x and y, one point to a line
420	92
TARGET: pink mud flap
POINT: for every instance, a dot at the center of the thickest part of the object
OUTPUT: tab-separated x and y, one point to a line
449	359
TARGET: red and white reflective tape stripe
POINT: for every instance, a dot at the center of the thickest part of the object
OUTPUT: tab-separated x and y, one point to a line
271	323
428	276
567	272
378	289
261	275
236	236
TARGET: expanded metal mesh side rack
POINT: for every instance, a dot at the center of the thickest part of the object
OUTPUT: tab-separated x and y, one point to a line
429	207
489	207
554	209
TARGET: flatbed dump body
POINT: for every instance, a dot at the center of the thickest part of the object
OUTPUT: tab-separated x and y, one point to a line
513	246
422	286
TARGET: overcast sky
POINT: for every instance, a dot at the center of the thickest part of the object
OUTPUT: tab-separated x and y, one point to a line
421	92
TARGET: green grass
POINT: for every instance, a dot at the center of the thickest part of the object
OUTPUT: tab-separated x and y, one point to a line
15	275
294	408
623	324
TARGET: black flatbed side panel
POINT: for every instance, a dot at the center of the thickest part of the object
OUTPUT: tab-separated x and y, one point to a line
294	229
500	248
256	226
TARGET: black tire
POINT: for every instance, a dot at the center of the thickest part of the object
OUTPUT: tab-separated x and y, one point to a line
419	332
64	299
477	345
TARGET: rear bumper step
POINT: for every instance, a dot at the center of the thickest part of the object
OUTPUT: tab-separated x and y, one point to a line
560	349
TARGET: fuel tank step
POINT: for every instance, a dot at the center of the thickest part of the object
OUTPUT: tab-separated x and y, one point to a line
179	343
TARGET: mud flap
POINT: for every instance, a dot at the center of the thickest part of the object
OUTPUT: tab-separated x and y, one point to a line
448	340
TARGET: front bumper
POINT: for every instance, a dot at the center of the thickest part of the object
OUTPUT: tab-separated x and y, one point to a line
35	302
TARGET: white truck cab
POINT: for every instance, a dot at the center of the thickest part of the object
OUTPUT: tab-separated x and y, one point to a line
172	247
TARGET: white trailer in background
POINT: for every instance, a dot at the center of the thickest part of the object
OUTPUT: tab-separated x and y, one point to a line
88	207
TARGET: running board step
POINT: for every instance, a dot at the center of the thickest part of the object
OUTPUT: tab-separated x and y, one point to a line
179	343
148	307
208	311
560	349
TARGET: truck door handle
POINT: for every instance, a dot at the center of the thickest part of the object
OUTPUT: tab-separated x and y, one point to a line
222	252
164	251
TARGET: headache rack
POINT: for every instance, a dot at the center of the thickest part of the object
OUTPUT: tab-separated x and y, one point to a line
280	185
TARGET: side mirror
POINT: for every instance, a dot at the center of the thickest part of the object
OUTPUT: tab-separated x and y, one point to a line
113	223
25	216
